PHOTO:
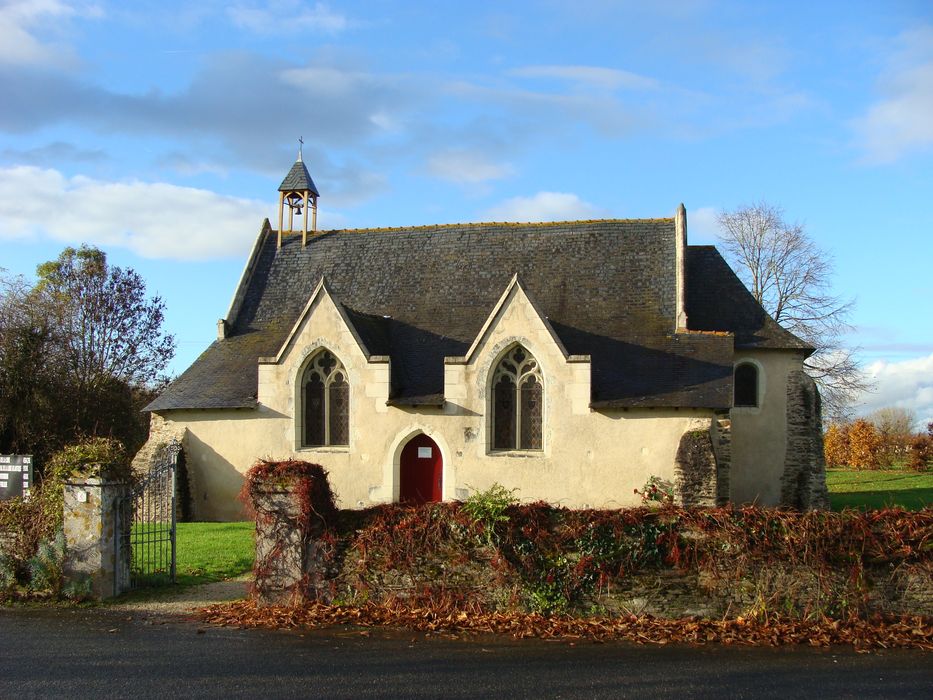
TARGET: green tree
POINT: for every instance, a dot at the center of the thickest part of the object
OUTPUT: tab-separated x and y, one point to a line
112	337
81	353
31	378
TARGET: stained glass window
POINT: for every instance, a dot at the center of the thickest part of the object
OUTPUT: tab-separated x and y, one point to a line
504	414
517	402
339	405
530	414
314	410
325	402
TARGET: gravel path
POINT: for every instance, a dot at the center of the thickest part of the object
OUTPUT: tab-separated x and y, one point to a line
186	600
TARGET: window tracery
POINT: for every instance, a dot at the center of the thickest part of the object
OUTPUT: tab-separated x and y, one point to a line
517	402
325	402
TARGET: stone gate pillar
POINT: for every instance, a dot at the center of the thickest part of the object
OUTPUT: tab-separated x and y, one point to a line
90	525
294	508
290	564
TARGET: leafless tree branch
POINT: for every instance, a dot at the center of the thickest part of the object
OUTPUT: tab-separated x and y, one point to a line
791	277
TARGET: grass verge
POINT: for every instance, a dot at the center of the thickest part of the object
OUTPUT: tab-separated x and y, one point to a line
879	488
209	552
205	553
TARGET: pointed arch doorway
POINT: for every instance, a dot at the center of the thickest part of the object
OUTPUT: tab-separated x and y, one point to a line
421	469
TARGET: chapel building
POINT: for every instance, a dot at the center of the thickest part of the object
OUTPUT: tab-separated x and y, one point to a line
571	361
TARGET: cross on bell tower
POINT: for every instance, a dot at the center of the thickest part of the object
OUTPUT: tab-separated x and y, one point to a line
296	192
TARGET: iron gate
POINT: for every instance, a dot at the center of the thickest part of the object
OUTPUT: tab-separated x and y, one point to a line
145	527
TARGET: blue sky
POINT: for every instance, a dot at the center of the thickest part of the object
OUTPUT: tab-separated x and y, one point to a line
160	131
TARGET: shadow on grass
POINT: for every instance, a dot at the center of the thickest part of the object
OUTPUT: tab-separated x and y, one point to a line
911	499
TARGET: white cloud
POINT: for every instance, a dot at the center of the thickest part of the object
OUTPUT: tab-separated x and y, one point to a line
703	225
287	17
327	81
466	167
155	220
595	76
904	384
55	152
902	120
602	111
543	206
22	20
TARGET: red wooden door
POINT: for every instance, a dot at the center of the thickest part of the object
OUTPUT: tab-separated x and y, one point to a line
420	471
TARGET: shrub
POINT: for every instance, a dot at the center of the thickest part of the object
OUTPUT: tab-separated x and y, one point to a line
488	509
864	445
895	432
554	560
921	450
35	524
657	490
26	524
47	566
7	575
836	445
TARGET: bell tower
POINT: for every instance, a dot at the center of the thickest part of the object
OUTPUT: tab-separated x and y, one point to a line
298	193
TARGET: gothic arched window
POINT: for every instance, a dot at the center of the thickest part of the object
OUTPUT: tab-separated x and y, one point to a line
325	402
517	402
746	385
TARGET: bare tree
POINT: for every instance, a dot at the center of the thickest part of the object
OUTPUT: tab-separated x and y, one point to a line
896	428
894	420
790	276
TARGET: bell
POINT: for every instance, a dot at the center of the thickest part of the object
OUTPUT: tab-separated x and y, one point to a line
298	209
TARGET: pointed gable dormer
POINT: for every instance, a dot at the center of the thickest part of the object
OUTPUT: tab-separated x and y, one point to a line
296	192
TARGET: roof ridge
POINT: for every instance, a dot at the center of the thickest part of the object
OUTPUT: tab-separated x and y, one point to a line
479	224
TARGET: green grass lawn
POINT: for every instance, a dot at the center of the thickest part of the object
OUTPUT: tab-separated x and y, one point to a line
872	489
205	552
213	551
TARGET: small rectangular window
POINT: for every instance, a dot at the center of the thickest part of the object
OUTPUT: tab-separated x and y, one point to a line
746	385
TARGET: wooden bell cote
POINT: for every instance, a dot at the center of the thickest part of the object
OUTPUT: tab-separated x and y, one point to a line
298	193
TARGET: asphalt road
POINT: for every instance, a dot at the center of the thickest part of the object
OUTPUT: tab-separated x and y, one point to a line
101	654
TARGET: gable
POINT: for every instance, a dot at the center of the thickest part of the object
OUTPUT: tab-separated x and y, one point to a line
322	303
515	305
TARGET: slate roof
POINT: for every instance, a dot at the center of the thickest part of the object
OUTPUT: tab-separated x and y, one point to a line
718	301
421	294
299	180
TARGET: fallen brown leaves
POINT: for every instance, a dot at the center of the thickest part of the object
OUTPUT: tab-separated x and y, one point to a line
863	635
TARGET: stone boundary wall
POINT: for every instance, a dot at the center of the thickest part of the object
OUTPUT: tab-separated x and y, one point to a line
721	437
422	555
